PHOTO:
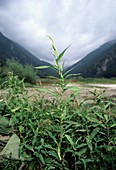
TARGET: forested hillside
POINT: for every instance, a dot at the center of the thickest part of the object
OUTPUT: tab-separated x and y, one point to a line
99	63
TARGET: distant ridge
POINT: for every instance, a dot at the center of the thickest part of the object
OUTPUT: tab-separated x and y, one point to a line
99	63
12	50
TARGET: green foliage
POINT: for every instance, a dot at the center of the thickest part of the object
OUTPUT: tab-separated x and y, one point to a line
23	72
59	133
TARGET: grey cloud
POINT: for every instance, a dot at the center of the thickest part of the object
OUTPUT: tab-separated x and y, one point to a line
84	24
4	3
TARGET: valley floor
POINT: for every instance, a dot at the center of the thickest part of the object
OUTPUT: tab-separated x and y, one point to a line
84	90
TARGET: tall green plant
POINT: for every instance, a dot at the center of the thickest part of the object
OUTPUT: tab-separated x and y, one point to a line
61	103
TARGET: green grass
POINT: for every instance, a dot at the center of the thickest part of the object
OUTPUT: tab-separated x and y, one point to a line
58	134
96	80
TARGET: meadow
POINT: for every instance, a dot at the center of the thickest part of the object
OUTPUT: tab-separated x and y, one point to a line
54	129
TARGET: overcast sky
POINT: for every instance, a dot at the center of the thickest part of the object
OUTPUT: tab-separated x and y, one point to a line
85	24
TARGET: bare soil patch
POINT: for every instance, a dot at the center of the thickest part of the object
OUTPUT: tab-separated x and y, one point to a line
84	90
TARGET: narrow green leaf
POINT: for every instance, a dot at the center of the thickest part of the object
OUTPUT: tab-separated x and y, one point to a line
48	147
39	148
41	158
78	139
71	141
54	48
106	117
82	151
50	38
15	109
81	130
42	67
68	71
107	105
113	125
94	132
89	142
71	75
53	154
51	167
54	51
84	162
99	115
31	125
81	145
52	136
35	136
61	55
29	147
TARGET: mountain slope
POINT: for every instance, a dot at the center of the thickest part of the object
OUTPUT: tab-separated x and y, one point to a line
99	63
11	50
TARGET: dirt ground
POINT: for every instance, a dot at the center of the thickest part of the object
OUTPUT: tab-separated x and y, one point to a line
84	91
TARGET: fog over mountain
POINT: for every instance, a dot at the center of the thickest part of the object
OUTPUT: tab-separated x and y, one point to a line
84	24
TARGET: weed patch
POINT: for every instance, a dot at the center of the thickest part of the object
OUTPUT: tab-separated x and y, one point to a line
60	134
